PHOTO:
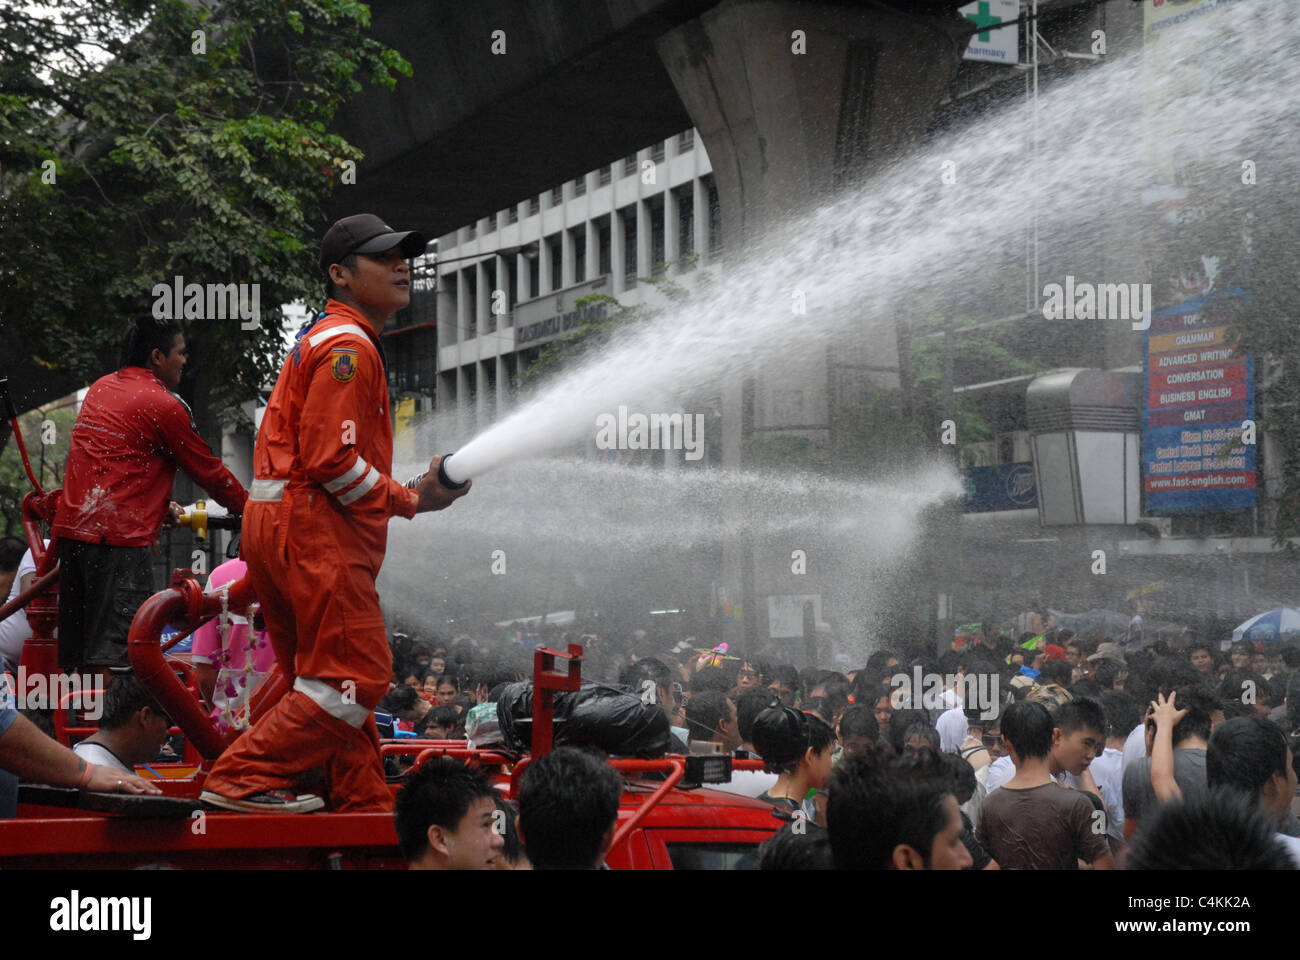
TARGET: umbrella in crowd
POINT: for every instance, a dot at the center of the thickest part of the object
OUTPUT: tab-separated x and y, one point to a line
1268	627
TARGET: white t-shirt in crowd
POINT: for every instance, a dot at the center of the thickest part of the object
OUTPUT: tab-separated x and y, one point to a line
1108	771
15	630
1000	771
972	806
100	756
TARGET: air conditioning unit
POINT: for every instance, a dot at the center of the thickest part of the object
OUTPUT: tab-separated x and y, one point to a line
1086	427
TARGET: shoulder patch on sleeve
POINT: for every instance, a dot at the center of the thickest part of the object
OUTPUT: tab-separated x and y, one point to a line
343	363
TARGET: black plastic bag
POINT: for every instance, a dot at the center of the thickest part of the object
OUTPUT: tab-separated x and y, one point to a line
596	715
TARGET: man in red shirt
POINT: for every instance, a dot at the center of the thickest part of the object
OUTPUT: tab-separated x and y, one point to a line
130	436
314	537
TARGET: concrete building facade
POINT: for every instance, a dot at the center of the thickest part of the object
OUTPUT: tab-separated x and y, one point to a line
509	284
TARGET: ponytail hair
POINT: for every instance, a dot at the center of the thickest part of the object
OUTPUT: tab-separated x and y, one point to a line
144	335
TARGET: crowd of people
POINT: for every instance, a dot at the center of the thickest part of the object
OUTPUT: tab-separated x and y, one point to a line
1047	751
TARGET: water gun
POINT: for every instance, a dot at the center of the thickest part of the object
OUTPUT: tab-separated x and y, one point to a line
714	657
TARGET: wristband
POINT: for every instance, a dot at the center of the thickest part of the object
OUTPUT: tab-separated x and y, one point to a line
85	777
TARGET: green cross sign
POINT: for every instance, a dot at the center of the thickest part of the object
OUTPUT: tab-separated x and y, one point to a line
982	18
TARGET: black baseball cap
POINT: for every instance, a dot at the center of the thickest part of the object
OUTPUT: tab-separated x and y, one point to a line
366	233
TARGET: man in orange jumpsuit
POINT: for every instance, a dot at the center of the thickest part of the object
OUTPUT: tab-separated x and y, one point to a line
314	533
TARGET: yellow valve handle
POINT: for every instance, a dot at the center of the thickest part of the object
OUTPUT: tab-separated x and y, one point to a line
196	520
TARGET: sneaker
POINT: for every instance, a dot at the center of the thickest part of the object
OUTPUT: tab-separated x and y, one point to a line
272	801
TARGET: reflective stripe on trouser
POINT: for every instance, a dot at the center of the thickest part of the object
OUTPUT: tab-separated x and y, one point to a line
323	616
318	595
296	737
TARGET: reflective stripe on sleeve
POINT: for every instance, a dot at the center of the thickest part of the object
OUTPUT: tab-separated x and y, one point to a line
335	331
361	489
347	476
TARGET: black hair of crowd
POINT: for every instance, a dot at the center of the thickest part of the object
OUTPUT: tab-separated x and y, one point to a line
1215	830
440	792
1122	713
567	802
748	706
1244	753
1028	728
126	697
875	804
11	553
1080	714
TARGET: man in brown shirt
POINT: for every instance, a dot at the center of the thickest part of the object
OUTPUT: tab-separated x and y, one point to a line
1032	822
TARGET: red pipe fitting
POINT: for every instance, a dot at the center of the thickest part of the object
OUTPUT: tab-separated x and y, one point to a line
183	598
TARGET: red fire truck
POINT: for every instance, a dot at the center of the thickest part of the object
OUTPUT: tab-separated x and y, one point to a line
669	818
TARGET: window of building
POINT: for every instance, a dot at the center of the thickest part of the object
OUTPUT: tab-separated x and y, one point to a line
685	141
686	226
470	291
657	151
580	186
580	254
656	205
491	225
490	275
512	296
715	216
557	195
629	165
512	213
526	358
557	262
534	276
449	284
471	231
412	357
604	175
512	371
627	217
534	206
604	264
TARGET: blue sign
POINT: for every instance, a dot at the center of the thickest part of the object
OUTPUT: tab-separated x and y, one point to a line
1199	393
1009	486
185	646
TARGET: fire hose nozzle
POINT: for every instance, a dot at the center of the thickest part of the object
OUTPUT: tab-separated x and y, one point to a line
445	479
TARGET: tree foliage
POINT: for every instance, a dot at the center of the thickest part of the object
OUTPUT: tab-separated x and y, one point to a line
184	139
